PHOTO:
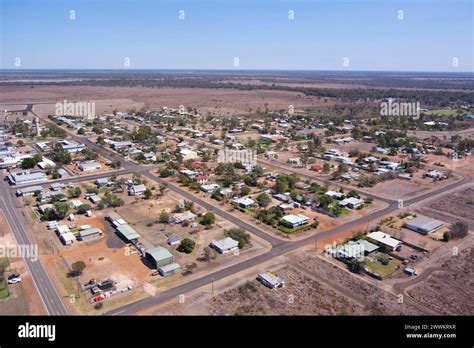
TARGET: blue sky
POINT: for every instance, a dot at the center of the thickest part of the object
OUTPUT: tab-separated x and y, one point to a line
259	33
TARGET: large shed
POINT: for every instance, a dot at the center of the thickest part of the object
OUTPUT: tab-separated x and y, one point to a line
160	256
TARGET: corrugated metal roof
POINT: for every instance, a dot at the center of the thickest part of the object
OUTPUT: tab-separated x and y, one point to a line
159	253
128	232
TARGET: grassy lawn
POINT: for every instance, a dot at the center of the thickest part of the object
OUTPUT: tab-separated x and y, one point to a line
377	267
4	293
291	230
444	112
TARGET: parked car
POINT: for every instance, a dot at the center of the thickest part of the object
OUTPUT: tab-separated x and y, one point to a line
13	275
14	280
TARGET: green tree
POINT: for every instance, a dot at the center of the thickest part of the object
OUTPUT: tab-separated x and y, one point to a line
239	235
209	254
186	246
78	267
61	209
90	154
83	208
62	156
459	229
263	199
164	217
148	193
208	219
28	163
244	191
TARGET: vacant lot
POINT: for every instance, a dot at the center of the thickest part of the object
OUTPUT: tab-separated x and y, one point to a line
451	289
457	204
301	296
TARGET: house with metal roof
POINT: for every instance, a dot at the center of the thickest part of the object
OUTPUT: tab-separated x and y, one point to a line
170	269
185	216
424	225
270	280
294	220
352	202
334	194
385	239
89	234
26	178
225	245
89	166
136	190
113	216
28	191
174	239
244	202
354	249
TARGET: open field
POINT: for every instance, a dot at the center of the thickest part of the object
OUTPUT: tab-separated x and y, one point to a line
449	288
459	204
224	102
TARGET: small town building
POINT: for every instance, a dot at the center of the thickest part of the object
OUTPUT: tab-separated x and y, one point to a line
209	188
89	166
424	225
225	245
244	202
185	216
352	202
385	239
270	280
127	232
89	234
294	220
136	190
26	178
159	256
170	269
174	240
29	191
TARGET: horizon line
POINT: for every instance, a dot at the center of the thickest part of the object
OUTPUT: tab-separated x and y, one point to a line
233	70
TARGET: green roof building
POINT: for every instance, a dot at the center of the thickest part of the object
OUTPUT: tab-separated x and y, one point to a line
128	232
160	256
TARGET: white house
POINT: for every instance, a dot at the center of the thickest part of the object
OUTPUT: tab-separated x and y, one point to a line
385	239
89	166
225	245
136	190
185	216
295	220
334	194
244	202
209	188
352	202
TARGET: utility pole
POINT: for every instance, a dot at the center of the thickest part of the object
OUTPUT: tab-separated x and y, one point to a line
212	285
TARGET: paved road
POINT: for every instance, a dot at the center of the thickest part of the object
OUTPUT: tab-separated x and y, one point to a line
45	287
